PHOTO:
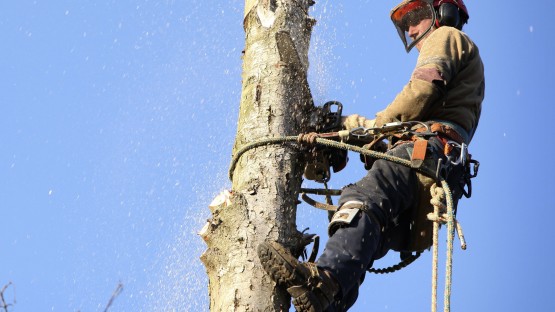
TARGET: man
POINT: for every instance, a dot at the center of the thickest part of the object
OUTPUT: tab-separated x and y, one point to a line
445	92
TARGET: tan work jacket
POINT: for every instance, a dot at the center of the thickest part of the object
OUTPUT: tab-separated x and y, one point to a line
447	84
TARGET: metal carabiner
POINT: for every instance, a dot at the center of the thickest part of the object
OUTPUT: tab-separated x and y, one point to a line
475	168
360	132
461	160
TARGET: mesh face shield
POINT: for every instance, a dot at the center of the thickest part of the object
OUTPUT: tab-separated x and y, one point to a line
411	13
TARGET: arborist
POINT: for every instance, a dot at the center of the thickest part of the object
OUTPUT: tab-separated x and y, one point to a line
382	211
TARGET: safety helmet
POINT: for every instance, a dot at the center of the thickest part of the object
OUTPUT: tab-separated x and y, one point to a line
442	13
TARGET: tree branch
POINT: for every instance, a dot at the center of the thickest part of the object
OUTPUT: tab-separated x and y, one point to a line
3	303
116	293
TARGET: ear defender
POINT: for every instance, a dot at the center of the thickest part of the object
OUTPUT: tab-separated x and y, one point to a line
448	15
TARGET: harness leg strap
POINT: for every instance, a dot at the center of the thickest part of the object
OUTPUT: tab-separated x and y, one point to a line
418	153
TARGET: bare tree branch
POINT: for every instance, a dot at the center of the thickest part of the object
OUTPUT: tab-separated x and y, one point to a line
116	293
3	303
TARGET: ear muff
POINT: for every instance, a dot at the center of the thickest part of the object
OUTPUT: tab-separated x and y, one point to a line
448	15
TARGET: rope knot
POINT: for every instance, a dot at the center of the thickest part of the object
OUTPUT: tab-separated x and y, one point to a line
307	139
440	207
440	215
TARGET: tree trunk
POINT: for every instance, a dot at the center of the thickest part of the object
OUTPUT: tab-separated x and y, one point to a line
275	102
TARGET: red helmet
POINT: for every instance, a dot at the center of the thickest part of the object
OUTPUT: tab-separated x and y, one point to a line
442	13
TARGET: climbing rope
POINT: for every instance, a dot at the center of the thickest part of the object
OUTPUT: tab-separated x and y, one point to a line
325	142
443	214
441	200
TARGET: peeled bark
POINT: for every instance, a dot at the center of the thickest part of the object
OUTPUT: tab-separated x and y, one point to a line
275	102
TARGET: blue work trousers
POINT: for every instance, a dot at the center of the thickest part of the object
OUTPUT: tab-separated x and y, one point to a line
388	192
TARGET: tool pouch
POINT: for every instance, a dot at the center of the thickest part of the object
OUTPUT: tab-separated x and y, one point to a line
419	228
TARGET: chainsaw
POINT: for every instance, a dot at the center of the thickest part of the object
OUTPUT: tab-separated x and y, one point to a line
322	158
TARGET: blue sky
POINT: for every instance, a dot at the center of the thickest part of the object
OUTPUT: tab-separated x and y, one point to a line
118	118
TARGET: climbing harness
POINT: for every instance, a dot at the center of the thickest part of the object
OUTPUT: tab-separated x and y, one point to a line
442	201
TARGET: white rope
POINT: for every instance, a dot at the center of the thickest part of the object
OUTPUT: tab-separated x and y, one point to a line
443	214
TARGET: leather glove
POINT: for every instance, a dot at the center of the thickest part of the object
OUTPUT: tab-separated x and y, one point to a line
356	121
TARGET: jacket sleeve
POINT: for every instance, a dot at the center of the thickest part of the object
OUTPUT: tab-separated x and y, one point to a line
438	62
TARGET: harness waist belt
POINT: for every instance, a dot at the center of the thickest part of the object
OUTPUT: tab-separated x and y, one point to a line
462	133
447	132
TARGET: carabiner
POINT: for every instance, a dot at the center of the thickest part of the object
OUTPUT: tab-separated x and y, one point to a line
463	154
360	132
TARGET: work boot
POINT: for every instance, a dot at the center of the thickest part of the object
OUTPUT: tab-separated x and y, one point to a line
312	289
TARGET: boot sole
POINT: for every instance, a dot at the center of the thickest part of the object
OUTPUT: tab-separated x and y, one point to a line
284	270
280	265
305	303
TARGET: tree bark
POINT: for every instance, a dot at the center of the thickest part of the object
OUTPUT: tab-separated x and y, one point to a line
275	102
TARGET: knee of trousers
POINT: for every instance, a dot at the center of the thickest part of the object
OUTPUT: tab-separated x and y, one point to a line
345	215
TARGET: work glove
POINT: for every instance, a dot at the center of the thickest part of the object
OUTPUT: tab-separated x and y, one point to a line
356	121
